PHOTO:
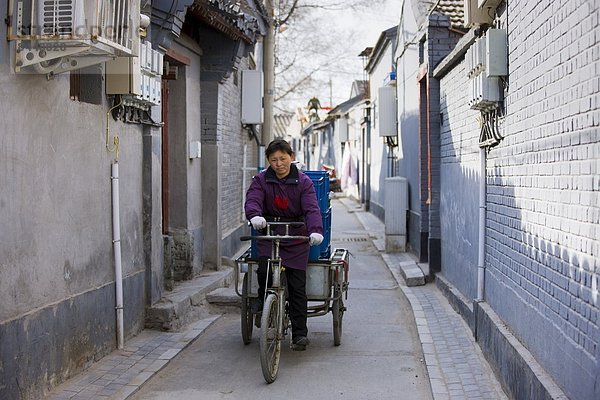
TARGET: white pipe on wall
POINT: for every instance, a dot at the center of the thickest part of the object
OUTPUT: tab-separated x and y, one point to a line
482	209
245	169
116	230
244	181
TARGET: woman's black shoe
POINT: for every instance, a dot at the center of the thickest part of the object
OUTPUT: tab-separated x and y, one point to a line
300	343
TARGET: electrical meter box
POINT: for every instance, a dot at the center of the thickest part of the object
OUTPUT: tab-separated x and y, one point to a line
496	52
123	76
139	78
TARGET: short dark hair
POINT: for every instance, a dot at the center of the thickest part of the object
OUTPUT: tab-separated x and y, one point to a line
278	145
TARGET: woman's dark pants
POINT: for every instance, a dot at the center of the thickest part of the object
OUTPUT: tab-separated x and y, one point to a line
296	286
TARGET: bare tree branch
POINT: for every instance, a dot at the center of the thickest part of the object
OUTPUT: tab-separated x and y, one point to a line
295	85
312	48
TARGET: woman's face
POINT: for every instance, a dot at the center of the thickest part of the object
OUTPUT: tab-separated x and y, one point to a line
280	162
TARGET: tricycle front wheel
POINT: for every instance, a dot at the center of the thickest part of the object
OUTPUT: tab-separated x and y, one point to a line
270	342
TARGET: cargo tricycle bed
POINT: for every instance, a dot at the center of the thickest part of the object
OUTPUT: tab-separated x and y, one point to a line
326	289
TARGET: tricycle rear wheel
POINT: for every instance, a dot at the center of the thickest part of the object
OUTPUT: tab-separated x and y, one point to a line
338	315
246	311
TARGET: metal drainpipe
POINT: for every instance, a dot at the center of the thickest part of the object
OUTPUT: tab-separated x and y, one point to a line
368	165
482	211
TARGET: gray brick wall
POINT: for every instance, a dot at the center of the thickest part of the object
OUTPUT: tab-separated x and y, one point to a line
543	215
423	159
233	137
210	110
440	41
460	176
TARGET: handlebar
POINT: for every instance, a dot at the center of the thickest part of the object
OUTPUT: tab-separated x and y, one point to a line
274	237
288	223
271	237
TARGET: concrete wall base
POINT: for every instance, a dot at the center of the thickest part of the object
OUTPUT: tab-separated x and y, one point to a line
395	243
42	349
459	303
417	240
186	303
186	245
377	209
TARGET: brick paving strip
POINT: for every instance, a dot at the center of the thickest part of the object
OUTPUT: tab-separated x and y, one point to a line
456	366
123	372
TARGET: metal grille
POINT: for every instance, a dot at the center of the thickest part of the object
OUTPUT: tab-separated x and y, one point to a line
57	17
109	20
114	22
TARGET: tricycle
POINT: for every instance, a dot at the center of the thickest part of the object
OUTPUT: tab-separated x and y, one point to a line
326	289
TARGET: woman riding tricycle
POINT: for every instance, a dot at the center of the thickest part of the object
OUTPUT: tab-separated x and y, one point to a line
283	209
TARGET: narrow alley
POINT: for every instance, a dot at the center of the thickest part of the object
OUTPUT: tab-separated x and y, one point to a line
387	351
460	140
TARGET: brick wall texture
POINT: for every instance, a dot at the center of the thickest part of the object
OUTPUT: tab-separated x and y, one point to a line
233	138
543	182
460	176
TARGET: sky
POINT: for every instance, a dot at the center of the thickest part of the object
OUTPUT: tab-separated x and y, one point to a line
367	27
349	31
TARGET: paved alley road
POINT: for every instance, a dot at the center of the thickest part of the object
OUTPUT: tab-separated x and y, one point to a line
380	356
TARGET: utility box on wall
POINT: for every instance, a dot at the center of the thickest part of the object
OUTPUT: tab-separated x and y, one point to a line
396	207
137	78
387	111
252	97
496	52
341	128
486	62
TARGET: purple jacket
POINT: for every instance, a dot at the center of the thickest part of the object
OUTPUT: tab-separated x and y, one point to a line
292	197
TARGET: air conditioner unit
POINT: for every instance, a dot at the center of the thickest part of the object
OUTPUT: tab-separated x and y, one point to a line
475	15
54	36
488	3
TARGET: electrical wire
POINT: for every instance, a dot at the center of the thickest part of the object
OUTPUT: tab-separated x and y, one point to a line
490	135
116	138
174	5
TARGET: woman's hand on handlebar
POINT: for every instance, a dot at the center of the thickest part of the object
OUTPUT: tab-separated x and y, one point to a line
315	239
258	222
